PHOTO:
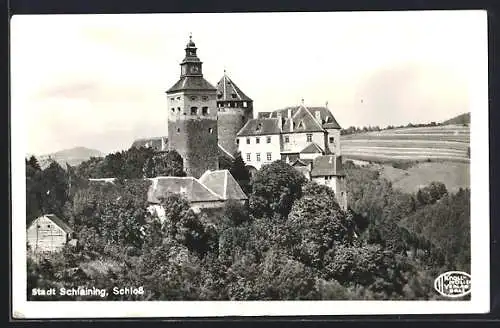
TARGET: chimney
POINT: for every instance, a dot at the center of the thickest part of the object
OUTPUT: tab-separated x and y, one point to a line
280	120
291	125
289	113
317	114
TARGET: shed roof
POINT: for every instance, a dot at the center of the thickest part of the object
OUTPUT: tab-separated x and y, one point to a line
327	165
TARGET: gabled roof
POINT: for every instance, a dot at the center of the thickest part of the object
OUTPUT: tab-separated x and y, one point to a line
191	188
227	90
223	184
312	148
60	223
327	165
299	162
155	143
302	121
260	126
191	83
327	120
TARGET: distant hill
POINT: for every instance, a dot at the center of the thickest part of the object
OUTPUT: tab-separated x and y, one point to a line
435	143
73	156
460	119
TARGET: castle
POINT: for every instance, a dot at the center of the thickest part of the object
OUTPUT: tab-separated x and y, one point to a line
206	123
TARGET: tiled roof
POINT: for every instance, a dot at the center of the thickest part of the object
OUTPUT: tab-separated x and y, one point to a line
155	143
223	184
224	153
191	188
327	165
327	120
227	90
60	223
312	148
191	83
260	126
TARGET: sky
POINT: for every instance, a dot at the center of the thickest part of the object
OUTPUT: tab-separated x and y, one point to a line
99	81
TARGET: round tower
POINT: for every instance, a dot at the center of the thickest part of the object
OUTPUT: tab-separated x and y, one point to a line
234	109
192	116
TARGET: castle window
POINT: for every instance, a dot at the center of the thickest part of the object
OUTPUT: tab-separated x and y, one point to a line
248	157
331	139
309	137
193	98
233	95
268	139
172	99
342	194
287	139
268	156
194	110
178	98
237	141
205	98
257	140
210	130
245	104
258	157
248	141
178	130
204	110
38	226
179	109
173	110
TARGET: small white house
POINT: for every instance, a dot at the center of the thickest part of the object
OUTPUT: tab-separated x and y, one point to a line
48	233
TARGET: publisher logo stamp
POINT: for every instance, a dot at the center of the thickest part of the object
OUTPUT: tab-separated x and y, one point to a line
453	284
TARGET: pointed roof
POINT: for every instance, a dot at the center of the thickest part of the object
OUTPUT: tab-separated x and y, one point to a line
312	148
192	189
303	121
327	120
189	82
227	90
57	221
223	184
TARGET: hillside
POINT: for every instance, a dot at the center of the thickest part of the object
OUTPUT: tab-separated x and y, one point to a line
434	143
460	119
73	156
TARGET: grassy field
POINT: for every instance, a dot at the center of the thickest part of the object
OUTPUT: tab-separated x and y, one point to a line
439	143
453	175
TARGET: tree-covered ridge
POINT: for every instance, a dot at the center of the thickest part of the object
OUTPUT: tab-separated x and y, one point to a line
292	242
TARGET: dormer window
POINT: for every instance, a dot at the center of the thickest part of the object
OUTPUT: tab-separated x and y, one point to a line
233	95
301	125
259	127
219	95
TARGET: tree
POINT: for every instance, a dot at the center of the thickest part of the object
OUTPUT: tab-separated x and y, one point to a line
33	189
315	224
240	172
274	189
164	164
54	187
